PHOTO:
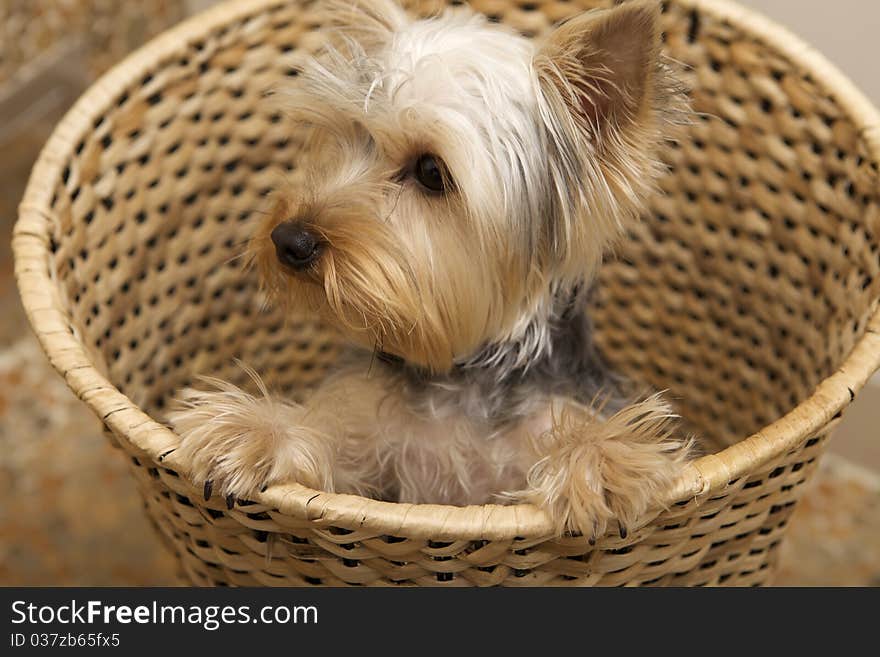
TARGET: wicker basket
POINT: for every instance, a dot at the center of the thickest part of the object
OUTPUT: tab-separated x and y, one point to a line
750	292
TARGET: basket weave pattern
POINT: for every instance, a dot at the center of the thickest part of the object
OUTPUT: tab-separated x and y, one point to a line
749	291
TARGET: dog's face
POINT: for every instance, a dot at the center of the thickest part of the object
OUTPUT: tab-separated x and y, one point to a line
458	176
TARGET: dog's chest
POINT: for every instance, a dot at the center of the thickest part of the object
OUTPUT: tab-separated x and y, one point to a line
456	458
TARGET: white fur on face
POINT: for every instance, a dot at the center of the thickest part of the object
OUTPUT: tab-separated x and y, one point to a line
454	86
472	91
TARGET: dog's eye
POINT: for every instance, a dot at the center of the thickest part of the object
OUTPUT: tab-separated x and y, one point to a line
429	172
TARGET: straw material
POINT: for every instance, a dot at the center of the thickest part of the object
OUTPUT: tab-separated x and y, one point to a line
750	292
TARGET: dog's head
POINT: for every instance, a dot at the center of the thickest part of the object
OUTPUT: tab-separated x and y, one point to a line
459	175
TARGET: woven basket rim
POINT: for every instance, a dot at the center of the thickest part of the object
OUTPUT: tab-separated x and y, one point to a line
44	306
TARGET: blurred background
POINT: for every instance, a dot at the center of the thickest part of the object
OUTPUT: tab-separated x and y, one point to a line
71	516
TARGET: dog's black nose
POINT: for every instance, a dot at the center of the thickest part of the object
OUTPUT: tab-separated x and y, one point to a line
295	245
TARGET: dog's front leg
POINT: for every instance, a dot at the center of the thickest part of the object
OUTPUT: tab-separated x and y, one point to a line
237	444
591	470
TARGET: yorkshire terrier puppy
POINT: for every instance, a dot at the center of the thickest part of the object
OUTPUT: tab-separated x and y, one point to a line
462	185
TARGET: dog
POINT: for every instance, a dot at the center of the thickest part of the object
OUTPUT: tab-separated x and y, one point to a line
462	186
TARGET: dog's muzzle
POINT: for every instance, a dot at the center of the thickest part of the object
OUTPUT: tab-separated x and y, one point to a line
295	245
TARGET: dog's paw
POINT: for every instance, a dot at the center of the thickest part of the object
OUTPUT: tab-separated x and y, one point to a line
596	471
236	444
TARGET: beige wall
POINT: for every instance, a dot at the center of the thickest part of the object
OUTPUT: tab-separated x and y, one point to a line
845	31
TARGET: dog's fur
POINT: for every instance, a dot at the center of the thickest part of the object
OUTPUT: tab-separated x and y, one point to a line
475	379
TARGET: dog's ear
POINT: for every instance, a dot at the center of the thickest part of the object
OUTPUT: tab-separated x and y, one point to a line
368	21
603	66
608	100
